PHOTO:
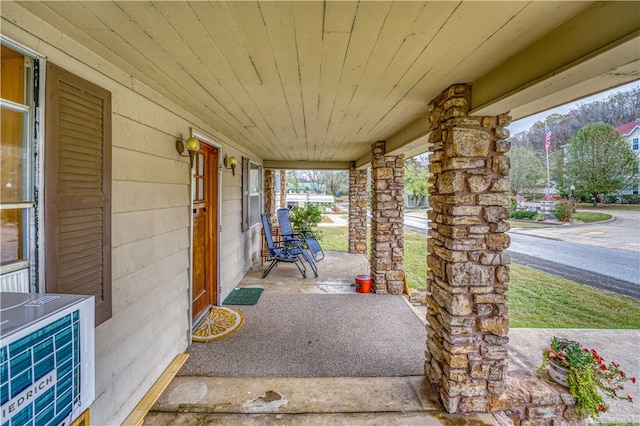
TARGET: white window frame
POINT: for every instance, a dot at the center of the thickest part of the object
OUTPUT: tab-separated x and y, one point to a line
34	164
252	193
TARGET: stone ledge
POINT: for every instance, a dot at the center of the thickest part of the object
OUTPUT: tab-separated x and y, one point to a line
418	297
534	401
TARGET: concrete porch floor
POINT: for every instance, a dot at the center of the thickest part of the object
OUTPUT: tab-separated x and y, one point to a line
408	400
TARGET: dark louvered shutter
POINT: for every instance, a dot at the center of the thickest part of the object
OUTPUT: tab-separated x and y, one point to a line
77	189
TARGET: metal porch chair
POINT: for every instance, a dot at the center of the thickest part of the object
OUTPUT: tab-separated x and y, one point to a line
291	252
306	234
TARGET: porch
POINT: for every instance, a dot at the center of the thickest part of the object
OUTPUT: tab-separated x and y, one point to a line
378	378
336	396
279	85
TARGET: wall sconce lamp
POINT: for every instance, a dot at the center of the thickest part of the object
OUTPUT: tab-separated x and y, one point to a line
230	163
192	145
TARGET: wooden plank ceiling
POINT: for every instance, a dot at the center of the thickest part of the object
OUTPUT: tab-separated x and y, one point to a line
307	80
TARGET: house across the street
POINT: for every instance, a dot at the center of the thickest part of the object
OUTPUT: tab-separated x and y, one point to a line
631	132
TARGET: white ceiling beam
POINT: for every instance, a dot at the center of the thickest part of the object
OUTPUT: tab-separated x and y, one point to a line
410	141
547	73
306	165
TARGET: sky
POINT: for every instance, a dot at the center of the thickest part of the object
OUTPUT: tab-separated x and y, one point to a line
526	123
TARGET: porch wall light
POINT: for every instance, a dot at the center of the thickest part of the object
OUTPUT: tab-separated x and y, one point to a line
230	163
192	145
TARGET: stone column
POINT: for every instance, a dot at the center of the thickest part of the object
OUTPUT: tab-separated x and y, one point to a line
468	276
357	210
283	189
387	221
270	196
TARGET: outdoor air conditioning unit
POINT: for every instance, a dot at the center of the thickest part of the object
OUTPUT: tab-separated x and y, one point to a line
47	369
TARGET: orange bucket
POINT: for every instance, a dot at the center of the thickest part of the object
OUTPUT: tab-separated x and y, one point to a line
363	283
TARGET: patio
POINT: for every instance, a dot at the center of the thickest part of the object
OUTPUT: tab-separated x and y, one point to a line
334	399
347	399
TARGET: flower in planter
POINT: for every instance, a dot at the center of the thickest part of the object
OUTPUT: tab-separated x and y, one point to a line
588	375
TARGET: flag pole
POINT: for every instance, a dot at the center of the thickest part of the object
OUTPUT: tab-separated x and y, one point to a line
547	145
548	180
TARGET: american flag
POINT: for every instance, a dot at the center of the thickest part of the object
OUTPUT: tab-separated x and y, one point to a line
547	138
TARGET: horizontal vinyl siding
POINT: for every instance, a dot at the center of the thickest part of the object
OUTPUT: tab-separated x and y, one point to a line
129	257
232	241
143	224
134	287
137	196
137	325
142	354
150	219
136	166
154	359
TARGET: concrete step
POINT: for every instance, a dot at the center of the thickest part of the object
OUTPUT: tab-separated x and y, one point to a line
299	401
343	419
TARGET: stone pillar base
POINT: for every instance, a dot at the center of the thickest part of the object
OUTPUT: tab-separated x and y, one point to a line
530	400
270	196
357	210
387	221
467	282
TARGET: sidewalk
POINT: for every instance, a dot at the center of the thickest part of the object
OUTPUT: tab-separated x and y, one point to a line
334	219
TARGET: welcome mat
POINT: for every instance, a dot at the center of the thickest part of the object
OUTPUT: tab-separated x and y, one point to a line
219	323
243	296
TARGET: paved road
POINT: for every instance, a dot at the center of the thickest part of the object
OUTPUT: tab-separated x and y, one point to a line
619	264
621	233
588	261
580	263
416	224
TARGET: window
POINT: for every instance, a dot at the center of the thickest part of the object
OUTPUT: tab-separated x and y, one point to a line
18	224
251	193
634	144
77	192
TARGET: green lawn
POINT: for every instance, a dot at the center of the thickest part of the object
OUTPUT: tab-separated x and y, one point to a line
334	238
536	299
590	217
541	300
527	224
588	206
585	216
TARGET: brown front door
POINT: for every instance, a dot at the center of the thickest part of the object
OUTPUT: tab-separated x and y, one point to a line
205	226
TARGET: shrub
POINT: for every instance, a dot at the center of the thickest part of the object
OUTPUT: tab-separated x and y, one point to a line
564	209
306	218
539	217
513	205
630	199
524	214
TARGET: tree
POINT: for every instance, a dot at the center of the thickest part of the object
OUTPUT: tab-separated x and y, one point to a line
416	176
293	181
526	171
558	174
336	181
616	109
314	179
600	161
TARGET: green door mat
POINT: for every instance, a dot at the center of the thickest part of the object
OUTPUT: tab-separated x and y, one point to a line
243	296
